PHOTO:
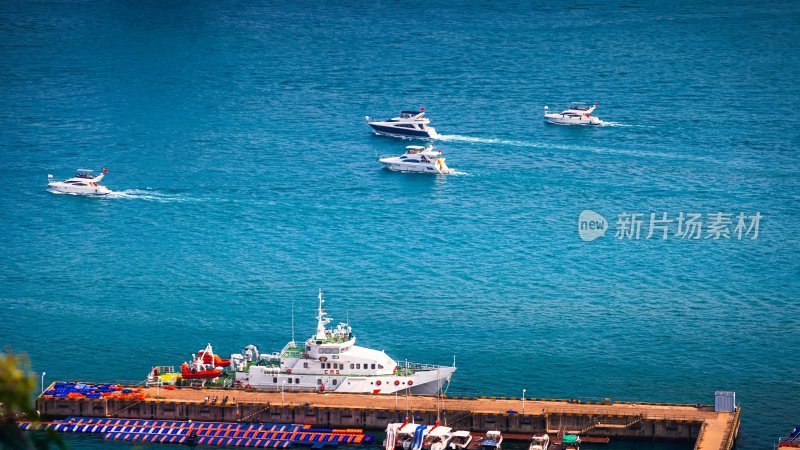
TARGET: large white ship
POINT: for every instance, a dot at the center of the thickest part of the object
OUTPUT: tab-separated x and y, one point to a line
329	361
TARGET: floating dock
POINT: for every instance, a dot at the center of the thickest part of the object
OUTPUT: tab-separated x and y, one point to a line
710	430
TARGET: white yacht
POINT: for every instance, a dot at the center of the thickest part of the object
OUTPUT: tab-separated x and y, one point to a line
491	441
410	124
416	159
329	361
84	183
539	442
575	114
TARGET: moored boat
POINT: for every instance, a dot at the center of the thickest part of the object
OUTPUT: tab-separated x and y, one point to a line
492	441
539	442
330	361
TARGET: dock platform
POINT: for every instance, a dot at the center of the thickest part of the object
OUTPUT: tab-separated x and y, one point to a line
709	430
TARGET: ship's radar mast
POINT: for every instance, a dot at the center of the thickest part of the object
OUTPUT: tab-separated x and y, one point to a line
321	319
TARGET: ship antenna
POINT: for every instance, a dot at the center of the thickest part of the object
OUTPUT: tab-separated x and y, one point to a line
292	319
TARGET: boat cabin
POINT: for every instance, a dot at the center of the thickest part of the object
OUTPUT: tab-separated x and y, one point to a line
411	114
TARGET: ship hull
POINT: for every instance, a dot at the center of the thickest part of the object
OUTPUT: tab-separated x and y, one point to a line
423	382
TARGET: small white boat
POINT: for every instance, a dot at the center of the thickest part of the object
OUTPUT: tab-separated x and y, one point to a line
83	183
492	440
416	159
410	124
576	114
460	440
539	442
412	436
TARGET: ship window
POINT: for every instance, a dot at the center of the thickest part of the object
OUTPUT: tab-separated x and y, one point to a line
274	379
358	366
373	366
290	381
380	366
404	125
404	157
319	381
308	348
297	381
334	382
336	351
305	365
352	366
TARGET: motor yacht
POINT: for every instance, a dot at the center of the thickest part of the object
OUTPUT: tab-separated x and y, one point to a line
83	183
410	124
416	159
492	440
575	114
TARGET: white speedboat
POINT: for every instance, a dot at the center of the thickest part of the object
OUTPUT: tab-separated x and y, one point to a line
575	114
83	183
539	442
416	159
411	436
330	361
410	124
492	440
460	440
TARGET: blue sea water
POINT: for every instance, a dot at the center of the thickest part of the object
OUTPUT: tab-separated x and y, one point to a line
246	180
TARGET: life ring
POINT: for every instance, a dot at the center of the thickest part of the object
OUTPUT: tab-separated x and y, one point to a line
337	372
410	382
288	370
378	382
325	372
397	382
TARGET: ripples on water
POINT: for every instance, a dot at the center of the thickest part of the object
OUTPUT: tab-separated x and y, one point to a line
245	178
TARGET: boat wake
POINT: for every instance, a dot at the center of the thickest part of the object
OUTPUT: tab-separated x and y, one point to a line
568	147
454	172
147	194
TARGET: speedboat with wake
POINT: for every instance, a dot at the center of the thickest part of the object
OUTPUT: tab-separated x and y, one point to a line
83	183
410	124
575	114
416	159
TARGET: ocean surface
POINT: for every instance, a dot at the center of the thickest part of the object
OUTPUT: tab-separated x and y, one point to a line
245	179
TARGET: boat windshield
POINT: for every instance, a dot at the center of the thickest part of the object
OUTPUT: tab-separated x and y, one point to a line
84	173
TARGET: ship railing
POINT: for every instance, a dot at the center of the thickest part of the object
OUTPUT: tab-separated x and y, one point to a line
414	365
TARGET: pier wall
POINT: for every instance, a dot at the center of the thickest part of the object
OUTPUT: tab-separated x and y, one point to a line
585	424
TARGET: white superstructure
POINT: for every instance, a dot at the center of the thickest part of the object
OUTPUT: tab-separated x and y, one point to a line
84	183
330	361
576	114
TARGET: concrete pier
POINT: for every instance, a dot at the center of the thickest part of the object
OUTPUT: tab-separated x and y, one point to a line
709	429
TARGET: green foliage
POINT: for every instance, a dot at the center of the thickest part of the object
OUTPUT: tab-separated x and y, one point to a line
17	389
